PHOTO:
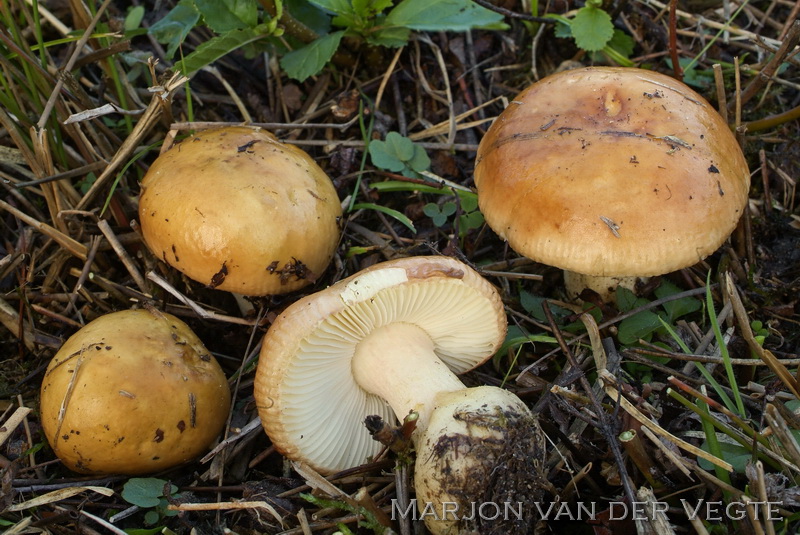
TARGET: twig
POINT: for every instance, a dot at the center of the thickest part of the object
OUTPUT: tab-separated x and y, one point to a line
105	228
12	422
73	247
766	74
200	311
677	70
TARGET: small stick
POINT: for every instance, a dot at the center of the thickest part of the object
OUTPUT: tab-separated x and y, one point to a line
200	311
226	506
762	495
722	99
105	228
73	247
762	156
12	422
673	40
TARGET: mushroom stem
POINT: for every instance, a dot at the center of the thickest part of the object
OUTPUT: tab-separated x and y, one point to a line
398	363
605	286
473	444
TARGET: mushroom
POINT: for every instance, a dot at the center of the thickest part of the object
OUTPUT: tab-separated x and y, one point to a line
611	173
387	341
132	392
237	210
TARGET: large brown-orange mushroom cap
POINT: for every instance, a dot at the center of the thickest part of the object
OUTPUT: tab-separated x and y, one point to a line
238	210
611	172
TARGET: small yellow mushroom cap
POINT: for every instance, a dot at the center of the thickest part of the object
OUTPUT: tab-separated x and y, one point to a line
133	392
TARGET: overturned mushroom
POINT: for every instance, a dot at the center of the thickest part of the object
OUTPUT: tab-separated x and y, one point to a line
237	210
132	392
387	341
611	173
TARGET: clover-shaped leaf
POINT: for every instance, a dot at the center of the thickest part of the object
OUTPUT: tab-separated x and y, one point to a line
438	214
399	154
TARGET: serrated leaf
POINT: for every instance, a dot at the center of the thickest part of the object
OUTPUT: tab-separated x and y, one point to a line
227	15
143	491
563	28
310	60
173	28
379	5
219	46
592	28
445	15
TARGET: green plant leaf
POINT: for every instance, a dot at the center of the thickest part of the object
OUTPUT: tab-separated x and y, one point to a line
679	307
638	326
419	160
622	43
401	147
445	15
437	215
402	218
312	15
219	46
393	153
309	60
592	28
133	19
626	299
389	37
338	7
470	221
736	454
469	201
173	28
151	517
144	491
516	336
223	16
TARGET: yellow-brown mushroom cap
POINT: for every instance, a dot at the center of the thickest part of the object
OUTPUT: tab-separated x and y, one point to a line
611	171
237	210
308	399
132	392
